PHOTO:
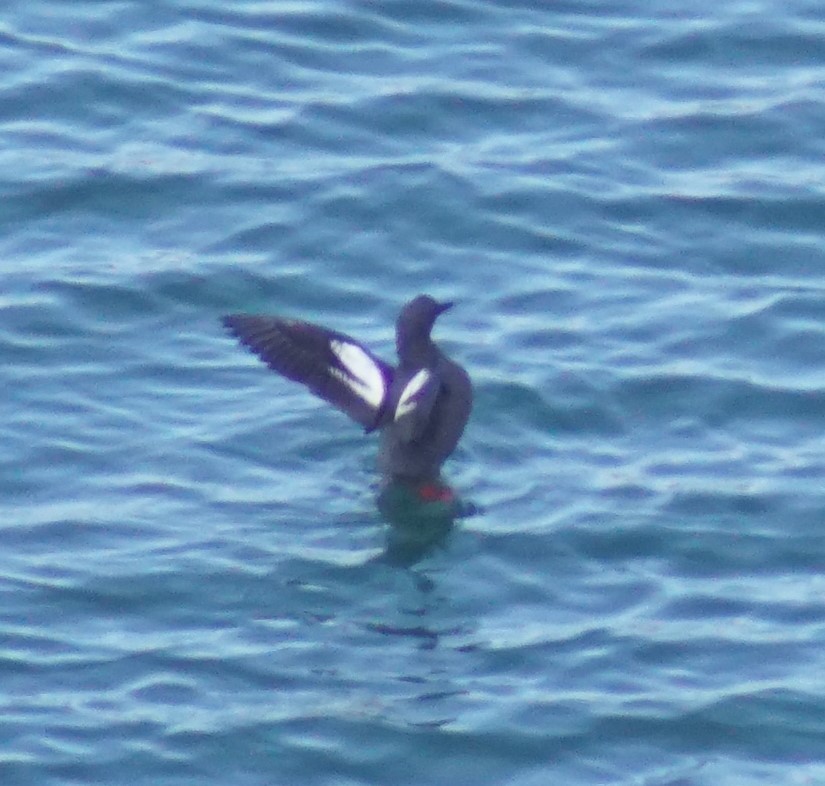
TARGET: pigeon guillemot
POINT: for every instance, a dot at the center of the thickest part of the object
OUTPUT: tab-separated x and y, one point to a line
420	407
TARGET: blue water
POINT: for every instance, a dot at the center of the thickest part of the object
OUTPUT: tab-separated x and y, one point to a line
627	202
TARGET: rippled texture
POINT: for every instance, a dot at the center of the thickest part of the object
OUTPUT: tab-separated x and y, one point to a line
625	199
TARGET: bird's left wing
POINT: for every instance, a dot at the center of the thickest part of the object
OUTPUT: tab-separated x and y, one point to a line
334	366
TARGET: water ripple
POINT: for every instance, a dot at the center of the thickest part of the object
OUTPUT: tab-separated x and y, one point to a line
625	204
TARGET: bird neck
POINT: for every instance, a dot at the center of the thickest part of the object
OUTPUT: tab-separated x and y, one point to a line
415	353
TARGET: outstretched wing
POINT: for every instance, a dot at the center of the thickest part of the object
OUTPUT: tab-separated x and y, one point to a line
332	365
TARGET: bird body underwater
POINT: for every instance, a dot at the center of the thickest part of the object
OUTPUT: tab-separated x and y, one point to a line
420	407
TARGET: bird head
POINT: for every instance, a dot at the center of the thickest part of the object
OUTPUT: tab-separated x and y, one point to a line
414	324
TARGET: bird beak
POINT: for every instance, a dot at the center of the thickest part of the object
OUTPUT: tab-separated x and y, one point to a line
442	307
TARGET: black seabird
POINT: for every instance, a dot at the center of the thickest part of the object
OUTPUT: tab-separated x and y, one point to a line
420	407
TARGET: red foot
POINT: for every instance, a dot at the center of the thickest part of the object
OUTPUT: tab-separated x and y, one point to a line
430	492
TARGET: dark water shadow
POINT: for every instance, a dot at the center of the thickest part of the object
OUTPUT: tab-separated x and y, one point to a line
420	518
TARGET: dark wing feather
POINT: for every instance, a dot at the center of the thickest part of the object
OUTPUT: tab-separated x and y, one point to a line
332	365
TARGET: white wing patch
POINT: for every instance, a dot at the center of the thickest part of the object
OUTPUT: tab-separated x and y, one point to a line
363	376
407	402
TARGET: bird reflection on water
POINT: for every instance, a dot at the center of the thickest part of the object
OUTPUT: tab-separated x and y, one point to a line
420	517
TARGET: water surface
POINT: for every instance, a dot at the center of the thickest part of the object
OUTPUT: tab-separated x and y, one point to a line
626	201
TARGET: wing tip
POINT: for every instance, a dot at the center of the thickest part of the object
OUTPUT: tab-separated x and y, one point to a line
245	327
232	322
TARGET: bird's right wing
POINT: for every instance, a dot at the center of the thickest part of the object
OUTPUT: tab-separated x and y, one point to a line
332	365
415	403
